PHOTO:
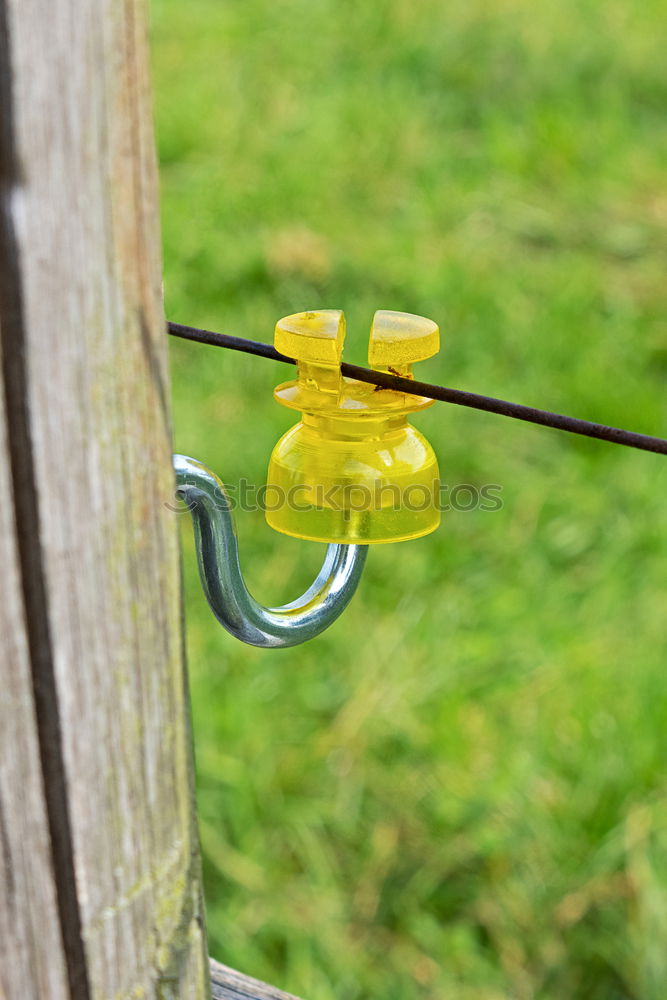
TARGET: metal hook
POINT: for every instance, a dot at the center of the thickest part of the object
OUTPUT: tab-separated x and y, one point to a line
222	579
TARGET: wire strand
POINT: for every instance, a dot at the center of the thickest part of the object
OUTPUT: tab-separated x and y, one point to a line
473	400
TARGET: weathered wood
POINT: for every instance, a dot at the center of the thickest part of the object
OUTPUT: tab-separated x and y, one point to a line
227	984
28	903
100	890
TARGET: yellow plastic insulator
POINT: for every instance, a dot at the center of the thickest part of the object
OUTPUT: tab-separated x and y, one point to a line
353	470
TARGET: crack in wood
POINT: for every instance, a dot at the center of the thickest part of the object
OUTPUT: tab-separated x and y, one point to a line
26	514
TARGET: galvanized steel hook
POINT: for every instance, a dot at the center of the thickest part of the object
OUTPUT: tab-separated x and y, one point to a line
222	579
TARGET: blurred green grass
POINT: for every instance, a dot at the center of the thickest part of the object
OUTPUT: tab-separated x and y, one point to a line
459	790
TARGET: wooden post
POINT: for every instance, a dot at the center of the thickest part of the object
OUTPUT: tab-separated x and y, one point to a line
100	892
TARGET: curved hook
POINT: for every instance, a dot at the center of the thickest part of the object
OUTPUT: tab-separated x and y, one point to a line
222	579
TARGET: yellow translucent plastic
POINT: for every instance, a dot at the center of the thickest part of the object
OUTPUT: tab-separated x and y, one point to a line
399	339
353	470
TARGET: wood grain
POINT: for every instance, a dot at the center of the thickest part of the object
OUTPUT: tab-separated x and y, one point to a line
100	893
227	984
28	900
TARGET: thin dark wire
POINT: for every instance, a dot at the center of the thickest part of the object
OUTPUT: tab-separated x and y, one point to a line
545	418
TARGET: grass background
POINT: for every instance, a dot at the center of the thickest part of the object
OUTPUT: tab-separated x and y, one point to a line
459	790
